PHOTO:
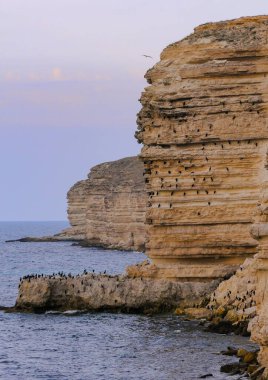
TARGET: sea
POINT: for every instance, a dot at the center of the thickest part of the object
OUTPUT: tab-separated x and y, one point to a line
110	346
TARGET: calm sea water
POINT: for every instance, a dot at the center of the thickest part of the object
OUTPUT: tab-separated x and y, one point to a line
94	346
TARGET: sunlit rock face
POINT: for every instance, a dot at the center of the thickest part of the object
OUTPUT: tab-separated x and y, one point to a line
108	208
203	124
77	208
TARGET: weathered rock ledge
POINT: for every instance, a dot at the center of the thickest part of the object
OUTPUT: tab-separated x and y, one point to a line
90	292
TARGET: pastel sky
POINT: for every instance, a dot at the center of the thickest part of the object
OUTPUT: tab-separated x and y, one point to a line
71	74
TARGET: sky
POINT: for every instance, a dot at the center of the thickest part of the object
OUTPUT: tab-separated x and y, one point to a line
71	74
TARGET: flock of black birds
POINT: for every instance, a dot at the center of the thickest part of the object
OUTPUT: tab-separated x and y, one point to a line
239	302
62	275
82	281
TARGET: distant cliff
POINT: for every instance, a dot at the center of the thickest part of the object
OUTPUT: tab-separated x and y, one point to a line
108	208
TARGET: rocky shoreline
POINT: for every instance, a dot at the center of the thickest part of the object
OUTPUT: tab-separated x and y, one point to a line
214	304
43	239
218	322
76	242
99	292
247	364
89	292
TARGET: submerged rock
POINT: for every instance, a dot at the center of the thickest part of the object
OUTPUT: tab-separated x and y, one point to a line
231	351
197	313
234	368
247	364
44	239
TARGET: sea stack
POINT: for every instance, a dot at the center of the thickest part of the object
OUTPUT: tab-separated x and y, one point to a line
203	124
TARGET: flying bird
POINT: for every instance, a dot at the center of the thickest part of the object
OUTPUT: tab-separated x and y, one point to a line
147	56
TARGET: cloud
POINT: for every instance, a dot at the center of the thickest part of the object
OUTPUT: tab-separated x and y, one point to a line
56	73
11	76
101	77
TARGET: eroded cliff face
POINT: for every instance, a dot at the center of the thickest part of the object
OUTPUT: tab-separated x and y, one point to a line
108	209
204	127
77	208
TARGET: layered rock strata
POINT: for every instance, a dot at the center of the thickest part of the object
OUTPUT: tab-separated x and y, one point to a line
108	208
77	198
104	292
204	127
112	206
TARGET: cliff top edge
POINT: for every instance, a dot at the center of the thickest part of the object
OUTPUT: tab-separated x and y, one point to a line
232	22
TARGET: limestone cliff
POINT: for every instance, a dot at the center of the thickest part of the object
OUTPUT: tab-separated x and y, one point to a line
204	127
77	198
108	208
